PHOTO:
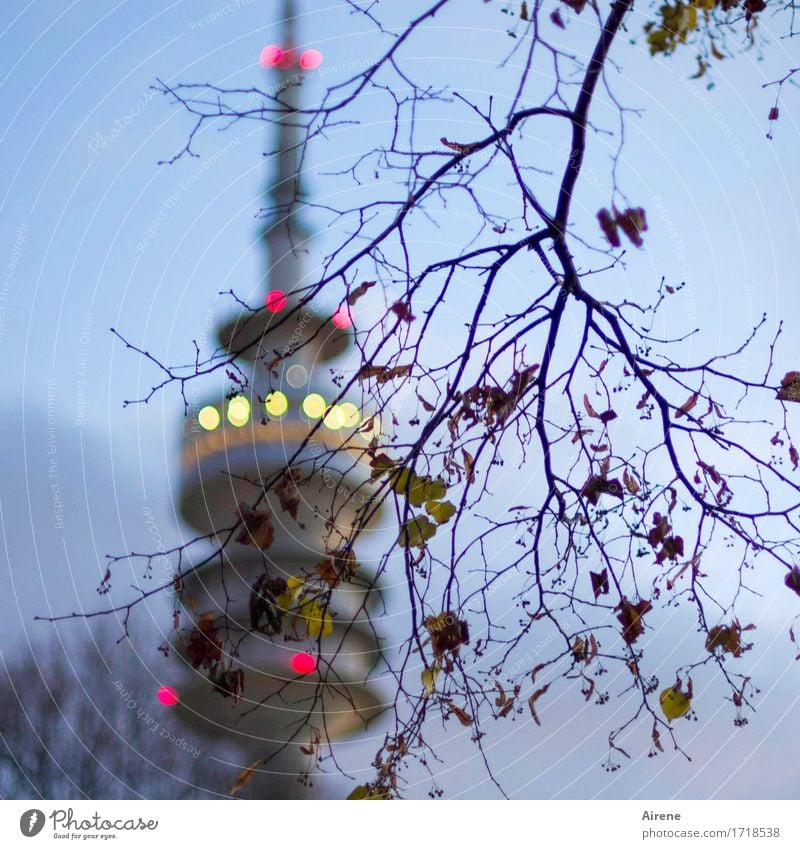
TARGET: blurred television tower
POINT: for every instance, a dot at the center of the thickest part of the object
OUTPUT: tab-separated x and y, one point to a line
232	441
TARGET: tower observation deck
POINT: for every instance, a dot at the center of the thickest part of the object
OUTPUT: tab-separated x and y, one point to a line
236	441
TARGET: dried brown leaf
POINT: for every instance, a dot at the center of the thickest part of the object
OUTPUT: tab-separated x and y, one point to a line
244	777
688	405
460	714
383	374
257	529
599	582
469	465
360	291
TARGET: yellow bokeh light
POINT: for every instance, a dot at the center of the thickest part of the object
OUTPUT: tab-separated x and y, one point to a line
334	418
208	418
276	404
350	413
238	411
314	406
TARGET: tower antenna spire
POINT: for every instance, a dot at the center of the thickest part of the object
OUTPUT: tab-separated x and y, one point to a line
284	233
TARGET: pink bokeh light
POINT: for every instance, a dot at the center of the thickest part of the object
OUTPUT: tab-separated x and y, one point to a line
303	663
275	300
167	695
343	318
270	56
310	59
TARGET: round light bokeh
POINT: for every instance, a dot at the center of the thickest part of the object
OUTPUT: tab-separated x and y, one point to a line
208	418
270	56
275	300
310	59
314	406
296	376
351	415
238	411
276	404
168	696
343	318
334	418
303	663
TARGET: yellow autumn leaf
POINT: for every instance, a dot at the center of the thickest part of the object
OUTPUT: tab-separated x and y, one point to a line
400	480
416	493
418	488
674	703
293	587
318	621
429	676
435	490
365	792
440	511
416	532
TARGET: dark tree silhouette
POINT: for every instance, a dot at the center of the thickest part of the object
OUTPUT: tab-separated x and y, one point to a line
635	459
81	722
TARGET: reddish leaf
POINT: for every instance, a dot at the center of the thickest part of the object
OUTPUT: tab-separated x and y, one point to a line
576	5
447	633
657	738
672	548
592	649
630	617
597	486
792	579
728	638
360	291
461	715
257	530
338	568
426	405
469	465
532	702
659	531
631	484
383	374
608	223
205	645
633	223
688	405
590	410
711	472
288	494
458	148
790	387
599	582
403	311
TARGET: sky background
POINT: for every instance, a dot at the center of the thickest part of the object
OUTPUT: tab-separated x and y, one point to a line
79	195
